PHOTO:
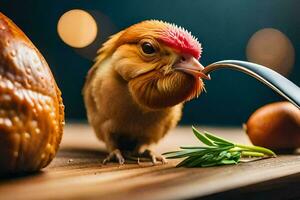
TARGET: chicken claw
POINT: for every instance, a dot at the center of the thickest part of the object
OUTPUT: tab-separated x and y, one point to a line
155	159
114	155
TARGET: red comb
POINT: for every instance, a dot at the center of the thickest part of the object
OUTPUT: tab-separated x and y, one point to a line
182	40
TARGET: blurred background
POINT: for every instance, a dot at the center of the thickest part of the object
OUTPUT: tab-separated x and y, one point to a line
68	34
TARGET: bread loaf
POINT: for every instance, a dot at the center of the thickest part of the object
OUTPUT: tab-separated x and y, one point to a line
31	108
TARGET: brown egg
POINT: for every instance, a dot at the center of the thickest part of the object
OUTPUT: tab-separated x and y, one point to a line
275	126
31	109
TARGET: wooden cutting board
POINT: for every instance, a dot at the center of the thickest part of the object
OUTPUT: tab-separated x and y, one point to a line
77	173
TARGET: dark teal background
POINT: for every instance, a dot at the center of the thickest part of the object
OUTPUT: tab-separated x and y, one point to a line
222	26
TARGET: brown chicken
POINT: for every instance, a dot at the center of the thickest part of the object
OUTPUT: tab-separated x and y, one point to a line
135	91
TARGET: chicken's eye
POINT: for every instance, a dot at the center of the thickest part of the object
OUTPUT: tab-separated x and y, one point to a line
148	48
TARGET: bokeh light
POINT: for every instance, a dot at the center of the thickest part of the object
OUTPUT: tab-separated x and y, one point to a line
108	28
77	28
272	48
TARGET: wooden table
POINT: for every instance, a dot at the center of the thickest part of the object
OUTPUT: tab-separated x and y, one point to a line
77	173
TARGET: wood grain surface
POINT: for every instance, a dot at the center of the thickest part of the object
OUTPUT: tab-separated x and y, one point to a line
77	173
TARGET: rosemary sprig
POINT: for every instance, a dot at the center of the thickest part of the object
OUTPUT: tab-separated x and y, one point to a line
217	151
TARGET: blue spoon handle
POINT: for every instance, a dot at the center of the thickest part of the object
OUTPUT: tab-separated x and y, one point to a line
274	80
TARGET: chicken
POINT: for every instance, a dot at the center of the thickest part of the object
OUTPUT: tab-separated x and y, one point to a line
135	91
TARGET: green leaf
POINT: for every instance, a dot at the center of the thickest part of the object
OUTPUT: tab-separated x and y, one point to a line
186	161
252	154
227	162
181	154
228	155
221	144
200	160
194	152
209	164
257	149
219	156
196	147
202	138
236	156
217	139
170	152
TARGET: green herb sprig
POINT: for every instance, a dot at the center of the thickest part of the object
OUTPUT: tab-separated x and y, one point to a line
217	151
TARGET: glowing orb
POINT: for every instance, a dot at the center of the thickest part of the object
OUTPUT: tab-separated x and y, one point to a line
271	48
77	28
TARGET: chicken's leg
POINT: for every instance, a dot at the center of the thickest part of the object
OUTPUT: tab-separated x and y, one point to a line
155	158
114	155
145	156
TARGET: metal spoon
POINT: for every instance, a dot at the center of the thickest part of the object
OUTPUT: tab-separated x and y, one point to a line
274	80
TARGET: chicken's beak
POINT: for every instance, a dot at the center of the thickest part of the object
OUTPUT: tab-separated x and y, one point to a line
190	65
